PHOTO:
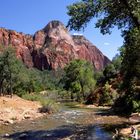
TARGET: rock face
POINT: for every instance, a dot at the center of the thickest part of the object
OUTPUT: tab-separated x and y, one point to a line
52	47
21	42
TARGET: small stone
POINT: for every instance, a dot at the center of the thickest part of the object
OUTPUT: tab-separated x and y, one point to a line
32	122
23	136
9	122
125	131
66	139
27	116
6	135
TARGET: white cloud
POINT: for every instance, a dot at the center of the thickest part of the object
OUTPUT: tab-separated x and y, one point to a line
77	34
106	44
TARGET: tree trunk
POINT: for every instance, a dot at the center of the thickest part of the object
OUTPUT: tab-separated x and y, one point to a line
82	90
78	97
71	96
1	87
10	90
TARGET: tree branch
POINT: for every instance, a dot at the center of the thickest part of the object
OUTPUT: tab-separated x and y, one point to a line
135	18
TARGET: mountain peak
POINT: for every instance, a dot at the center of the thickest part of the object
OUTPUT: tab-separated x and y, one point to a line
52	47
54	24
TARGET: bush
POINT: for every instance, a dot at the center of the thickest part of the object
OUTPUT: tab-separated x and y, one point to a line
126	104
105	99
49	106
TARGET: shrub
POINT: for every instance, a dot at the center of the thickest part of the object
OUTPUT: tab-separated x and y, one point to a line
32	97
127	104
48	105
105	99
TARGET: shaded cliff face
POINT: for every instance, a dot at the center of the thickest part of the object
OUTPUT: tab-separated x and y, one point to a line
52	47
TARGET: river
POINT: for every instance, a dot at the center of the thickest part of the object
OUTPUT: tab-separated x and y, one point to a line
67	124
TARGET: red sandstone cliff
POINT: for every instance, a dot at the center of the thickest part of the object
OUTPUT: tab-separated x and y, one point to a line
52	47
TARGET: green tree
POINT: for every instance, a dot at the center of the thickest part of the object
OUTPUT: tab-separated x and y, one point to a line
131	61
79	78
109	71
98	76
131	72
114	68
106	98
125	14
50	79
16	78
117	62
9	68
109	13
34	84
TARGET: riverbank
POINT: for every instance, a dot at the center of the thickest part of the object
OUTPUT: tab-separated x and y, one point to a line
16	109
82	117
68	124
119	126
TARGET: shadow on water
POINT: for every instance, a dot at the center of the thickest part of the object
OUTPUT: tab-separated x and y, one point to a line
41	134
105	112
110	112
73	132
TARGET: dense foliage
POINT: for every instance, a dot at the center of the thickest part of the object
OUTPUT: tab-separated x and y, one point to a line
108	84
131	72
75	81
125	14
79	79
16	78
9	69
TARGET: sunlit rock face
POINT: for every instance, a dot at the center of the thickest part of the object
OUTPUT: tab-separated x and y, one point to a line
22	43
52	47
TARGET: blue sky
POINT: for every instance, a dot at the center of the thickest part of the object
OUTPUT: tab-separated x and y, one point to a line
28	16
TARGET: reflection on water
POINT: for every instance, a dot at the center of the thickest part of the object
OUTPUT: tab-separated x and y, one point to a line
97	133
67	123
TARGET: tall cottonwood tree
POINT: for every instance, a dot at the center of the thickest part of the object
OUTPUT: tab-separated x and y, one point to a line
125	14
122	13
79	78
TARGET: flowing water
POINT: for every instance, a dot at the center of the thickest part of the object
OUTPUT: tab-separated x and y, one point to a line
67	124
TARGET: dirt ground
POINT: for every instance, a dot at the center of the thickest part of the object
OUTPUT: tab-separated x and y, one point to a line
16	109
